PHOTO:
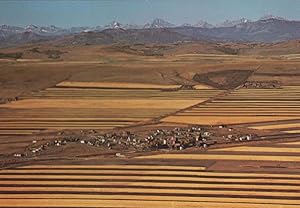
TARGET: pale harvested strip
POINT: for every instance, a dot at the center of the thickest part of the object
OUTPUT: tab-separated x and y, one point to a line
80	173
81	112
155	191
258	104
262	99
292	143
115	85
101	104
134	178
238	114
250	105
52	119
224	157
136	95
231	109
131	203
85	184
202	113
243	106
265	99
259	92
259	97
215	120
205	55
150	167
83	116
126	90
202	86
126	97
240	110
269	95
259	149
288	89
62	122
292	131
277	126
116	92
151	198
254	101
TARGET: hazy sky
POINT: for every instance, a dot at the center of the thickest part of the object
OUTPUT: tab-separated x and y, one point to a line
69	13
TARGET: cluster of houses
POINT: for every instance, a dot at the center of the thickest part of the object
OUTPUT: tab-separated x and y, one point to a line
175	139
159	139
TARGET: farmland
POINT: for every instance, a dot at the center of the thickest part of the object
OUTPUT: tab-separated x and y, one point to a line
55	114
248	106
198	183
79	107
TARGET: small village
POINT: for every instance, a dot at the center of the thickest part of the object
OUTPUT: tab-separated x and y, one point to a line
174	139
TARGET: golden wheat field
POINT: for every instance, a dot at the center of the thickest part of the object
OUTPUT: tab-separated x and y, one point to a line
246	106
139	185
74	105
121	85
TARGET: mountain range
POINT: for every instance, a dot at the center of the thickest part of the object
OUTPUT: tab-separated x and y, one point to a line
267	29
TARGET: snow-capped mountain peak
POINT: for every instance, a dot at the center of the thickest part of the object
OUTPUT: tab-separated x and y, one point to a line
203	24
31	27
232	23
114	25
158	23
270	17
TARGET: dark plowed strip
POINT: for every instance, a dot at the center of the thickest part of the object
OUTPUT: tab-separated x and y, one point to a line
18	134
146	174
155	194
154	181
146	187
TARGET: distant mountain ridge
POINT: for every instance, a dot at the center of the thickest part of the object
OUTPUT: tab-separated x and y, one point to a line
267	29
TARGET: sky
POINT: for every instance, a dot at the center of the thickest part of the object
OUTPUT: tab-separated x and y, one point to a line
69	13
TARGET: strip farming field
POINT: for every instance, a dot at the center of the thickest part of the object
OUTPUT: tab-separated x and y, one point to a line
248	106
141	185
92	106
